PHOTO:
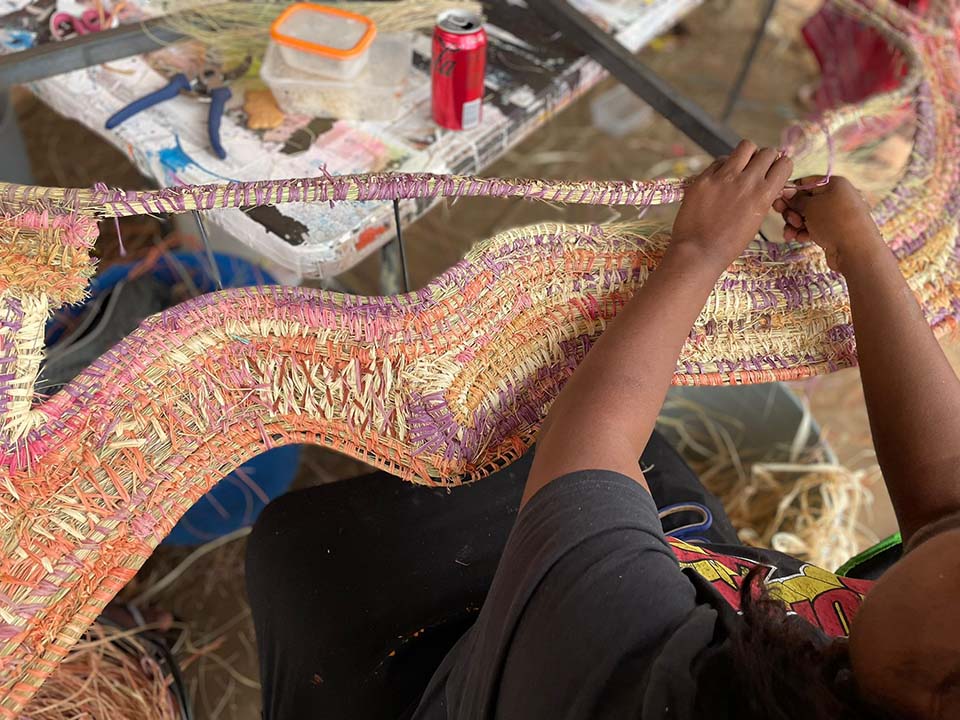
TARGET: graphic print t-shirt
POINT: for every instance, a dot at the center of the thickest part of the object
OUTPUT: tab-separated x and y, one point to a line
593	613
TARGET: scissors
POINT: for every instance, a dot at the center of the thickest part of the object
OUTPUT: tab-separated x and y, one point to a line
689	531
210	84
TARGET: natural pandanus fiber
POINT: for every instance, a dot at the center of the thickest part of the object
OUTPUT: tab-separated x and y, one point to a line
109	674
438	386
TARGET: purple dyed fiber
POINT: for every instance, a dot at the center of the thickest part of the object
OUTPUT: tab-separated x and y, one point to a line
377	187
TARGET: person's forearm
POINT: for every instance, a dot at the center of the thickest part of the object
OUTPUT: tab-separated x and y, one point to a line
912	393
604	416
615	395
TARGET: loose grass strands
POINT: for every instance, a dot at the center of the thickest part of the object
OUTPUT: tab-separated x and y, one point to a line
102	679
441	385
818	515
240	28
775	497
163	583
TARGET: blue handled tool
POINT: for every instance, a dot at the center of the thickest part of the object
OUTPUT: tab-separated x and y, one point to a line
178	83
210	85
218	101
689	531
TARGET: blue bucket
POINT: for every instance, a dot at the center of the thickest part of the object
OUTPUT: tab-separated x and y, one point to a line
237	500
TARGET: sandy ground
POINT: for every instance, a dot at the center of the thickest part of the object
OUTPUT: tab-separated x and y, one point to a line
701	60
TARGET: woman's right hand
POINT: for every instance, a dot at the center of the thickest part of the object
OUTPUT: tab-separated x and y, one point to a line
834	216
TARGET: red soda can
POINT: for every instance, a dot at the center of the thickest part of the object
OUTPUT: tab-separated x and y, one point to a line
459	62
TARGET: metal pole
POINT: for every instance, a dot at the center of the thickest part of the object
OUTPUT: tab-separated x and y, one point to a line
684	114
758	35
393	261
214	268
54	58
688	117
400	250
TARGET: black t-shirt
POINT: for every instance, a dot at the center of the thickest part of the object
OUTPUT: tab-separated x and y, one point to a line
593	613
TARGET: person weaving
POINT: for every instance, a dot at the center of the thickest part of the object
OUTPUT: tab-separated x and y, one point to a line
594	612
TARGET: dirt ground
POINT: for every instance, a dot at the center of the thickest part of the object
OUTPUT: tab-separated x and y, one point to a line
700	59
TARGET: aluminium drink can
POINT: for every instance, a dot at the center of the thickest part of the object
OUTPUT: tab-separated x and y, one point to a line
457	69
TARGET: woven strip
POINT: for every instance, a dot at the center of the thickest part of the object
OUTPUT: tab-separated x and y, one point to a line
438	386
104	202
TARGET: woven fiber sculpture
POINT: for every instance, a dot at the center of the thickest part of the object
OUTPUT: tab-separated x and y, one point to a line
437	386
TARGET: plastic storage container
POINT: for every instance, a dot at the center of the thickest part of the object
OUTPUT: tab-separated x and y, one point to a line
372	95
323	40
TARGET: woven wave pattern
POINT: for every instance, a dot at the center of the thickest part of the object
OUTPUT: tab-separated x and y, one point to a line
437	386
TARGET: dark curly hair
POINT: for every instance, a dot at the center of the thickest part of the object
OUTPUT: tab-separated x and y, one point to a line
785	670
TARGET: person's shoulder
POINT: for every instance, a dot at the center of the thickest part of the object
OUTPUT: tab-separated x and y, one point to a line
585	485
584	504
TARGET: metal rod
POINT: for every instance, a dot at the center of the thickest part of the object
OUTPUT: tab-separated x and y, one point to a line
403	256
688	117
214	268
54	58
684	114
747	63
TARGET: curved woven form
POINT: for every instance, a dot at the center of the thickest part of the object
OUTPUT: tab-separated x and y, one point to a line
436	386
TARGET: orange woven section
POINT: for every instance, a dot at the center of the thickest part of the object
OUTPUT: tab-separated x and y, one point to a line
46	254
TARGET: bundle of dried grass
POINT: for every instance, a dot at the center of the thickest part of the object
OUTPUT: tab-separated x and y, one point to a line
108	675
811	511
238	28
794	499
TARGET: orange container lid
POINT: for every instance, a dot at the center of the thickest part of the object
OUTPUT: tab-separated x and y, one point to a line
367	29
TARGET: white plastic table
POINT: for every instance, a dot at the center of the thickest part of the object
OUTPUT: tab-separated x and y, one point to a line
532	74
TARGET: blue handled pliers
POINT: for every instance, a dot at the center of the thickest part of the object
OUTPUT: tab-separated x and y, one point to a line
209	84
